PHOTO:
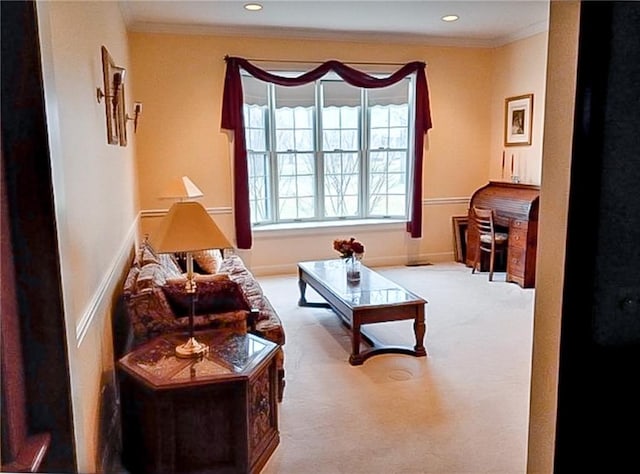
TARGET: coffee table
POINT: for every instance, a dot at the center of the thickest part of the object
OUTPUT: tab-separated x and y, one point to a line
374	299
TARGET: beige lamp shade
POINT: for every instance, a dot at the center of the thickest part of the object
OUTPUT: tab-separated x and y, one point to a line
181	188
188	227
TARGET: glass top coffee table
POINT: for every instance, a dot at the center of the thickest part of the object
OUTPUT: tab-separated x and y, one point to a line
374	299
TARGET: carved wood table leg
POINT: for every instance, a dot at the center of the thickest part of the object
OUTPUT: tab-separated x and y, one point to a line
419	328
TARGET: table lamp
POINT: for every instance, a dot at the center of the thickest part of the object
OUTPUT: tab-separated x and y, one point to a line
188	228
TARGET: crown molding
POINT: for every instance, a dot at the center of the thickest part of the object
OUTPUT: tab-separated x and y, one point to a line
329	35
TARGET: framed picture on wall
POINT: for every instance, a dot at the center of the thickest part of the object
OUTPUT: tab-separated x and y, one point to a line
518	115
108	67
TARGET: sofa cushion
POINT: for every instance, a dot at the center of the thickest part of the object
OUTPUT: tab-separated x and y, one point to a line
212	296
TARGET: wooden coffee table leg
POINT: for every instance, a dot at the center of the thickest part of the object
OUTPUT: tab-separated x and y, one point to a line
303	288
355	358
419	328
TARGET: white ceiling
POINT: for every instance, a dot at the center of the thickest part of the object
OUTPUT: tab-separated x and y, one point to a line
481	23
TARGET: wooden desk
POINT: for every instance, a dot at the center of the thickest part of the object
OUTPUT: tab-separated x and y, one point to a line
516	211
215	414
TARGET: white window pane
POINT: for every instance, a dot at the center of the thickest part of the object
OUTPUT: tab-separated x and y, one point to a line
303	117
256	115
287	186
331	139
305	185
350	140
331	117
398	115
288	208
351	205
377	204
379	138
378	161
306	163
306	208
396	183
396	206
286	164
332	163
284	118
256	140
398	138
284	140
397	162
350	117
379	117
304	140
351	184
377	183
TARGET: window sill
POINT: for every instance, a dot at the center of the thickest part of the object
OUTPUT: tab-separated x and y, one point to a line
328	227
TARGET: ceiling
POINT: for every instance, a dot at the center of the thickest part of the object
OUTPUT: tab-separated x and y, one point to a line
481	23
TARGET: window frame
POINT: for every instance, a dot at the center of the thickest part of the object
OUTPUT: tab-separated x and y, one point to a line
319	153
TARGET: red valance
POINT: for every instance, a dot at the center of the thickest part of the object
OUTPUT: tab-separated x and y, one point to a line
232	120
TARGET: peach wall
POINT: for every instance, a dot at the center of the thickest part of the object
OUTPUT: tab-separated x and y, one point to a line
179	78
554	199
94	187
520	68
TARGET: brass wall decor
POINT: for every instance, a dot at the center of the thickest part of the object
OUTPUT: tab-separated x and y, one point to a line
113	78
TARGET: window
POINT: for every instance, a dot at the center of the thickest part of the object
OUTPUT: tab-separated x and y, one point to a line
327	150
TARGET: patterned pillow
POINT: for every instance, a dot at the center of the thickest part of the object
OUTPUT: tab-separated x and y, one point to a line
147	254
209	260
215	296
170	265
151	275
182	279
129	286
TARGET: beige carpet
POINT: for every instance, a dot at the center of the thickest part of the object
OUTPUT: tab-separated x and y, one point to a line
462	409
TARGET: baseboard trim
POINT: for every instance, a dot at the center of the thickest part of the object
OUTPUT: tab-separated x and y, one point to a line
388	261
82	328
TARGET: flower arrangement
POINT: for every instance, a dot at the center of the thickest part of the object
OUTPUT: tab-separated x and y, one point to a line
348	248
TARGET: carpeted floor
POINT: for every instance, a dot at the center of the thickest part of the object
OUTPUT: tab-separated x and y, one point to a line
462	409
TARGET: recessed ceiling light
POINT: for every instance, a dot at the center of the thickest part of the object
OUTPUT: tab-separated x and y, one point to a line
253	7
450	18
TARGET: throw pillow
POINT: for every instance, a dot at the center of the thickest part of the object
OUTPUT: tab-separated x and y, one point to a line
150	275
209	260
182	279
212	296
147	254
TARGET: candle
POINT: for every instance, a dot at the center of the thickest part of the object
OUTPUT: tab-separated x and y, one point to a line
511	164
502	163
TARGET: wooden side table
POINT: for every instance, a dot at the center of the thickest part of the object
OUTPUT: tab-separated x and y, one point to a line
215	414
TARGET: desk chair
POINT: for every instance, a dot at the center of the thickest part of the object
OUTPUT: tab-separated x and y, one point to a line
489	241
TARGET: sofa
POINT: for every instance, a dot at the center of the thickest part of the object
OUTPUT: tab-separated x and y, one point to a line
227	296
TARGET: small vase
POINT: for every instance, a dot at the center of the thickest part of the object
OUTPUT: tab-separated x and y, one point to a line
353	268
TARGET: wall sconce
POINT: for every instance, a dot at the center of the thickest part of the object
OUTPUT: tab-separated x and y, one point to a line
137	111
114	79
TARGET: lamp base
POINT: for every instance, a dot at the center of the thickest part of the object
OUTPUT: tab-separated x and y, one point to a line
191	348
